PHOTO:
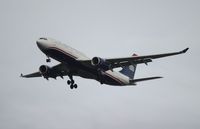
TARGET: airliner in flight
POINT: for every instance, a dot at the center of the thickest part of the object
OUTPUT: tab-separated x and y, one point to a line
74	63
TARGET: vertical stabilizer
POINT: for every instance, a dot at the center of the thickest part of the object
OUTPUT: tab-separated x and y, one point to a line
129	70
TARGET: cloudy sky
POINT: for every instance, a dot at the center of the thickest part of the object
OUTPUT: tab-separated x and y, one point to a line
105	28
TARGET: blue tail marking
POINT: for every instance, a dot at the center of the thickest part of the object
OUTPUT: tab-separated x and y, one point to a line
129	71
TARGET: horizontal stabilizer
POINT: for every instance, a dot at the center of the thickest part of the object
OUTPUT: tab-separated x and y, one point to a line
144	79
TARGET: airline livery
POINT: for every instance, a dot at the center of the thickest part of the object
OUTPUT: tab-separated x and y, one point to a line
74	63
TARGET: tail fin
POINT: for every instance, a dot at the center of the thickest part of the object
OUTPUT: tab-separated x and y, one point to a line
129	70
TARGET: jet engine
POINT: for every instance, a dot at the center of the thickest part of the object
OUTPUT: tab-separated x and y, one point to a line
45	71
100	63
97	61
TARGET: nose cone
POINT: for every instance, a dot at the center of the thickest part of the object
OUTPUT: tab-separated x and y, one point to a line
42	45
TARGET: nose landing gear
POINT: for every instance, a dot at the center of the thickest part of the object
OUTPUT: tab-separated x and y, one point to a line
48	59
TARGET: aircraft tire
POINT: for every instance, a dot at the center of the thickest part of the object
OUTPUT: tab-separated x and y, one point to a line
48	60
71	86
68	82
75	86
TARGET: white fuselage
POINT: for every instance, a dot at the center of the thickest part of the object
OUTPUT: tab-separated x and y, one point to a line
71	57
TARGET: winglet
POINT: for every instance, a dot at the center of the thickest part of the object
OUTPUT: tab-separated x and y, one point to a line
185	50
21	75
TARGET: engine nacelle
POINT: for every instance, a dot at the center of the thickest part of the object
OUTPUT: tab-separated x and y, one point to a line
100	63
45	71
97	61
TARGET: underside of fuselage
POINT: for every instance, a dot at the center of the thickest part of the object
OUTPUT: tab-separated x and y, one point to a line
78	69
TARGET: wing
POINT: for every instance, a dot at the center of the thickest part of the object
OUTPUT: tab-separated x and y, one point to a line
120	62
143	59
35	74
57	70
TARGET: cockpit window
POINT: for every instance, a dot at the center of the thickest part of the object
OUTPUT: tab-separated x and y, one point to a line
44	38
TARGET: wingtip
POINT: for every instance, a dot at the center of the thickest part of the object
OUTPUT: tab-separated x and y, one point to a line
21	75
158	77
185	50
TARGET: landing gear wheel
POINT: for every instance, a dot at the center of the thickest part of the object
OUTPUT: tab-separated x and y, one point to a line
48	60
75	86
69	82
71	86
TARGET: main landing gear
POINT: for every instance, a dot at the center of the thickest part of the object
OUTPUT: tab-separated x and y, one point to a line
71	82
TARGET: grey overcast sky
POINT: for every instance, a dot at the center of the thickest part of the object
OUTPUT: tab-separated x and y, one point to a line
105	28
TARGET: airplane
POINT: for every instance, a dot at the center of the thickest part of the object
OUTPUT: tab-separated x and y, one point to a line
74	63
